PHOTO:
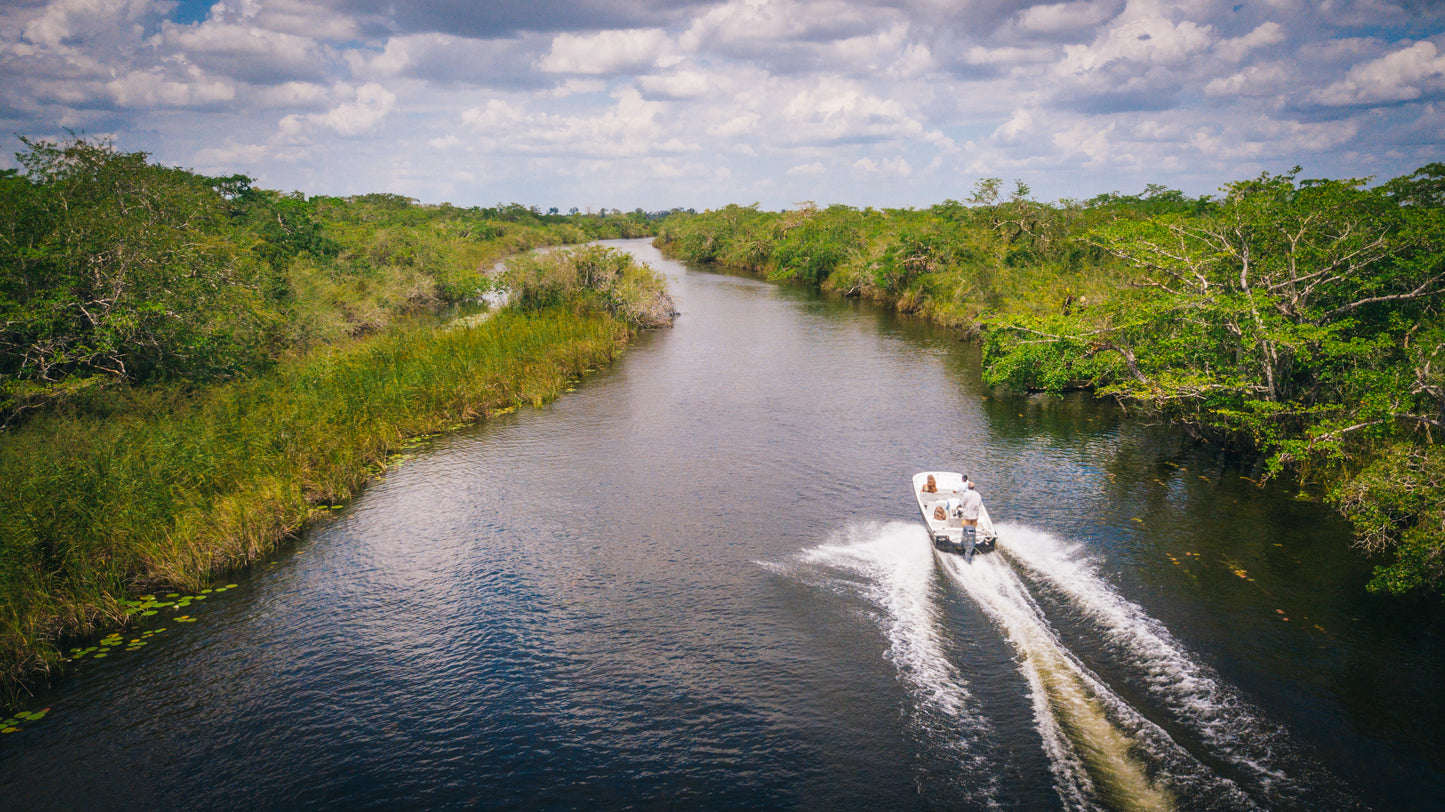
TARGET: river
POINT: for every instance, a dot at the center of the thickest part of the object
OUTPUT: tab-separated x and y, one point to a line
700	581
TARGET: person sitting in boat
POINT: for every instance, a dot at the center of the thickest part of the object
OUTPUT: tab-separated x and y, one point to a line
930	486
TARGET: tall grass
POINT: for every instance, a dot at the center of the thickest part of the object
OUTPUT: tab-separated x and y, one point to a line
161	491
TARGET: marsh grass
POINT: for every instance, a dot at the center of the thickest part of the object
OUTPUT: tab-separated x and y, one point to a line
153	490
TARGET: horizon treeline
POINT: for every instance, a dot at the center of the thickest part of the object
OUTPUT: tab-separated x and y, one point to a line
120	271
1299	319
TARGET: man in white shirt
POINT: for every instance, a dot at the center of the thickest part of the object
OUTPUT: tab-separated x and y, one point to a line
969	505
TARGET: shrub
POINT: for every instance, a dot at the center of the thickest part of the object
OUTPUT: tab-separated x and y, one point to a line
591	278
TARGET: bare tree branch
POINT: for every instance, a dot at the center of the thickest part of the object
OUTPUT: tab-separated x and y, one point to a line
1418	293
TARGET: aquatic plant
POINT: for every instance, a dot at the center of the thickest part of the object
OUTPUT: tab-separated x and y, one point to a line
191	367
159	491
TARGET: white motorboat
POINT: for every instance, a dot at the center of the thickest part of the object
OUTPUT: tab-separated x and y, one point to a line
948	532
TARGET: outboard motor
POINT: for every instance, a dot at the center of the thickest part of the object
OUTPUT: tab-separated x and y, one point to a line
970	537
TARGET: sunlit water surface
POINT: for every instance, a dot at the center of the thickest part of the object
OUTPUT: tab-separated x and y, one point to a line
699	581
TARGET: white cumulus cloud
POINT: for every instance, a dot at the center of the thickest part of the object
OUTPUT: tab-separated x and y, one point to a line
1234	50
895	166
69	22
580	101
1403	75
607	52
1067	18
1145	40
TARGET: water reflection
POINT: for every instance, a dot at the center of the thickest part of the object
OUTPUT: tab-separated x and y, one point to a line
699	581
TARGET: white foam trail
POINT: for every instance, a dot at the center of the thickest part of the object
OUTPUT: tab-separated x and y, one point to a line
1091	737
1102	751
1228	726
896	565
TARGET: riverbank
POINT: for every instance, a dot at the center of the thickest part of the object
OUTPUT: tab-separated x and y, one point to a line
193	368
120	272
1298	320
624	584
161	491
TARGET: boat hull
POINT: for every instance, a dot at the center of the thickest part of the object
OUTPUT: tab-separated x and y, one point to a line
947	545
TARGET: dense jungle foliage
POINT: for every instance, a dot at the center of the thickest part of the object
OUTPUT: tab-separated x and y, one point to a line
1300	319
119	271
191	368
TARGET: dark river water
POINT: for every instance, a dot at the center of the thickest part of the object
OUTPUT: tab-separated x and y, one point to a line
700	581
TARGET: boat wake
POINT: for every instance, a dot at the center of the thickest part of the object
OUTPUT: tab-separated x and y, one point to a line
1182	739
1101	751
1208	715
888	566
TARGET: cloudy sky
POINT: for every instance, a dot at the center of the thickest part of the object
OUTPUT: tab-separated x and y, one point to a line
699	103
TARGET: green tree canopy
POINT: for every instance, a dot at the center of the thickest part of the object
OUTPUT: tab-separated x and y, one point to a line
118	269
